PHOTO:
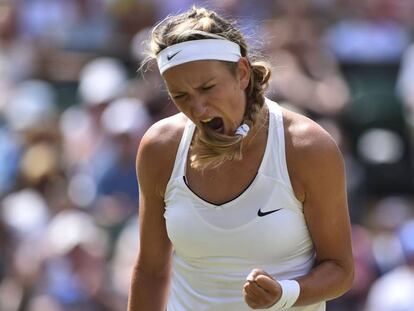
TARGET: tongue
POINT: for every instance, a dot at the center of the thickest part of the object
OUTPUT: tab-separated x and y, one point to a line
215	124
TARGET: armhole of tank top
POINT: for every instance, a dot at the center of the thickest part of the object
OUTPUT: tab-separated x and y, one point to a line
182	151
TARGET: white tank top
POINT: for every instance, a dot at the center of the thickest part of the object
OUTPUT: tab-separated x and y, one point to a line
216	246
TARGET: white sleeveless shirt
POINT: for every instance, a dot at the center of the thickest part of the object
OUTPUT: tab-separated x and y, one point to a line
217	246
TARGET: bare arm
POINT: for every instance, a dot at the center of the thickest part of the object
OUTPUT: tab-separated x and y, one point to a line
317	174
326	214
151	274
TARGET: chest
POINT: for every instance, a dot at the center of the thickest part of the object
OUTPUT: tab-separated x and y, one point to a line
226	182
229	180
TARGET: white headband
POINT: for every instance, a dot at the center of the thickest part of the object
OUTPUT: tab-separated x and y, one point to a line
194	50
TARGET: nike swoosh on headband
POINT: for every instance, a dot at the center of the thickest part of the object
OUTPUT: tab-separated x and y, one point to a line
261	214
170	57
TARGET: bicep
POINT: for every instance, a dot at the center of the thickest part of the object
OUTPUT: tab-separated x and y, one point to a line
325	207
155	246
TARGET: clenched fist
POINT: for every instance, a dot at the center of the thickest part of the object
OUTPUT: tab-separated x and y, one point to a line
261	290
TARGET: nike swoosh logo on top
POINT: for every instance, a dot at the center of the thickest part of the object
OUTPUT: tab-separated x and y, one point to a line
170	56
261	214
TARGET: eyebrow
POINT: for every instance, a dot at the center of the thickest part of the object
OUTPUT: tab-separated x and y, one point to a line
200	86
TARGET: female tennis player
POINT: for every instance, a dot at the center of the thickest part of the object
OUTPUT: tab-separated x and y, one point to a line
242	203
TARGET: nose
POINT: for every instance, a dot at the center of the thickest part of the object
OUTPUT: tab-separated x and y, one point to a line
199	106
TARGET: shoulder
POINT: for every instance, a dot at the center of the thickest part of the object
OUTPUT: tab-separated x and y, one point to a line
157	150
310	150
305	135
164	134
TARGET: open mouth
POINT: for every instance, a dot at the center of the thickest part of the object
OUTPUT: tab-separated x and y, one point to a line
216	124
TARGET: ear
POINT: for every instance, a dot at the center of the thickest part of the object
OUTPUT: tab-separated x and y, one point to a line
243	72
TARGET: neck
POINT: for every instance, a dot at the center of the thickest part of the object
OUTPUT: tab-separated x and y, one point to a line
259	128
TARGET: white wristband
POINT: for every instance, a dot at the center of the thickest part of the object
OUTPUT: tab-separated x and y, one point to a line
290	293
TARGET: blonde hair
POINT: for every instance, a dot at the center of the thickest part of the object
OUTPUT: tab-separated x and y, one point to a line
210	148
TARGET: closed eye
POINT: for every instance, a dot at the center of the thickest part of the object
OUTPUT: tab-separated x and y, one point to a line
182	95
208	87
178	96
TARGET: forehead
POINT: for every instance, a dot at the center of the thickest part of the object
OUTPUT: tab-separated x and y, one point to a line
195	73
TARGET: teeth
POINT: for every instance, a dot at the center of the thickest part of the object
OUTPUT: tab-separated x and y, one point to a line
207	120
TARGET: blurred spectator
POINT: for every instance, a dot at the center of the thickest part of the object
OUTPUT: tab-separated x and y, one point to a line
125	253
32	107
17	55
125	120
150	90
306	74
86	147
10	153
76	276
366	33
394	290
25	214
7	245
405	86
386	216
131	17
81	25
31	116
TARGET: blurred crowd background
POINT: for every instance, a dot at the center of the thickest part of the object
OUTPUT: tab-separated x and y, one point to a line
73	109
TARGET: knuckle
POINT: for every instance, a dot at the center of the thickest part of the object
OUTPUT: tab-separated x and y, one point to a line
258	271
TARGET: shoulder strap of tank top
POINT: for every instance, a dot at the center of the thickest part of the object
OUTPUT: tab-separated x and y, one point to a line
182	152
277	144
